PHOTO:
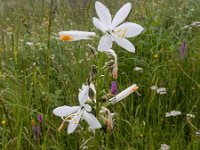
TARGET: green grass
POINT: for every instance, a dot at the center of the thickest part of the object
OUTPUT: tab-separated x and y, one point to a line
36	79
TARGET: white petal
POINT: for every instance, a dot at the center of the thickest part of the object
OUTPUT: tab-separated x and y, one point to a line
64	111
103	13
105	43
128	29
167	114
99	25
87	107
92	120
121	15
75	35
83	94
124	94
74	122
126	44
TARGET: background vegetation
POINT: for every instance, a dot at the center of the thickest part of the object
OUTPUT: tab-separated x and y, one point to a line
34	79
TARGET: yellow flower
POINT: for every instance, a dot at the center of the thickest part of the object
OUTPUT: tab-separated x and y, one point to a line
155	56
32	122
3	122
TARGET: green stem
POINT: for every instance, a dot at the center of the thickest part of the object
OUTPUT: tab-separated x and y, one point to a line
97	101
48	45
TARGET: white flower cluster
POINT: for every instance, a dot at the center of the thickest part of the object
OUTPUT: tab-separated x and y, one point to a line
165	147
173	113
193	24
190	115
161	90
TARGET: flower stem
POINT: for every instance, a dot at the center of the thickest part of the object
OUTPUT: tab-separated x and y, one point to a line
97	132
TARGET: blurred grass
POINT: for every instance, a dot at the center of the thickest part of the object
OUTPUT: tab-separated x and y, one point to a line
141	122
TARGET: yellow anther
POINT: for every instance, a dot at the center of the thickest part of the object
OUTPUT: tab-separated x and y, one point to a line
124	33
66	119
75	121
119	30
66	37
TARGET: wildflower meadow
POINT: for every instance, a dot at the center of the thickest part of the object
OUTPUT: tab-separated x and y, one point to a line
107	74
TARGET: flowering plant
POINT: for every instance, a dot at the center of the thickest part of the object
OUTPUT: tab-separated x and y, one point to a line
91	109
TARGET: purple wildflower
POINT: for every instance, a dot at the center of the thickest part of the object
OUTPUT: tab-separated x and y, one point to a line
40	118
182	50
36	131
113	88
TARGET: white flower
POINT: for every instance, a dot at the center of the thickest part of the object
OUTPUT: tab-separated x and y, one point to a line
154	87
113	30
75	35
124	94
29	43
193	24
197	133
161	90
172	113
190	115
165	147
76	112
139	69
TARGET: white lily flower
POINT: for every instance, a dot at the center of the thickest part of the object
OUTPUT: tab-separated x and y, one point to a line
124	94
75	35
112	28
76	112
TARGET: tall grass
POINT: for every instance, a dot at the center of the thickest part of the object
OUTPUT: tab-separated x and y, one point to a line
34	79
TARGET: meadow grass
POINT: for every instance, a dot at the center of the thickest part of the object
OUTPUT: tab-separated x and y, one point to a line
35	79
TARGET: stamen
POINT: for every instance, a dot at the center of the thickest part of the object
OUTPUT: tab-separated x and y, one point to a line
61	126
66	37
118	31
124	33
138	93
75	121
